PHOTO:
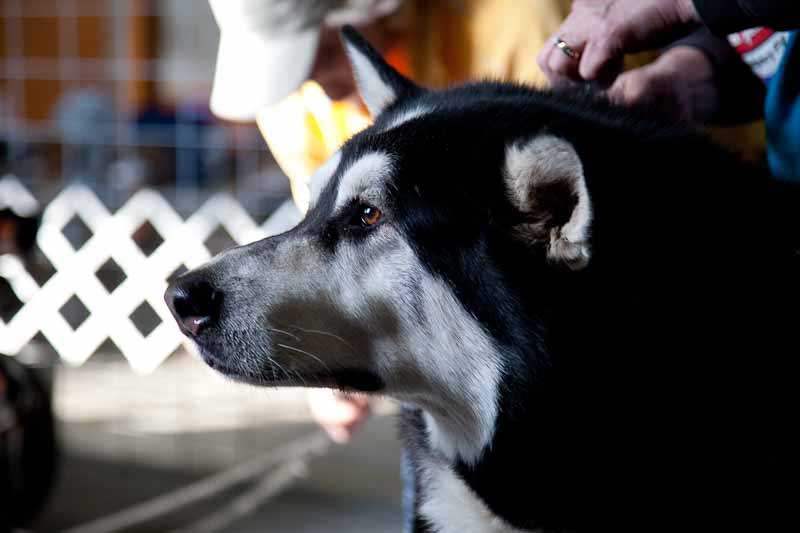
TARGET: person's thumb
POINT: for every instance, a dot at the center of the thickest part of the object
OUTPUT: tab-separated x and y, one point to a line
616	93
630	87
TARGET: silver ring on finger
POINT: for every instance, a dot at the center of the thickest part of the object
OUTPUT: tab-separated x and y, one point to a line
568	51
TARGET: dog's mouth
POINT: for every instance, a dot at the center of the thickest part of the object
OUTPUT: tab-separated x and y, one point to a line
274	375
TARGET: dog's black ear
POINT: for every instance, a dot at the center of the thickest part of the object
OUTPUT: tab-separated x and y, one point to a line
545	181
380	85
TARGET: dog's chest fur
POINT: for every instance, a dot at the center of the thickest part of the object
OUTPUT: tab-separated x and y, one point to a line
444	502
449	505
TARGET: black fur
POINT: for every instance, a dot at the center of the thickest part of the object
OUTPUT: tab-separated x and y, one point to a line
656	390
653	390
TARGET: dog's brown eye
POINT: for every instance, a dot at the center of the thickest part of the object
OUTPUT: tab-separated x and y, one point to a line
370	215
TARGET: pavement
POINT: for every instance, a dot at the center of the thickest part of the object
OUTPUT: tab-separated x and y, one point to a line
183	450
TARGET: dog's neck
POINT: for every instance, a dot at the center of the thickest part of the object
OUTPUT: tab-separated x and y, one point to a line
461	430
454	440
460	421
486	453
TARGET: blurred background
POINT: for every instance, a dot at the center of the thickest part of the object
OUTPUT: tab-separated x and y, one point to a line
114	178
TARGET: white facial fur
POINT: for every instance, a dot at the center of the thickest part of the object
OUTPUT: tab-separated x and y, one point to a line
455	332
379	309
370	305
365	179
543	161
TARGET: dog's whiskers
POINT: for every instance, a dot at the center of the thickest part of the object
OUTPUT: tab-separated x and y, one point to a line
298	350
295	337
327	334
300	377
280	367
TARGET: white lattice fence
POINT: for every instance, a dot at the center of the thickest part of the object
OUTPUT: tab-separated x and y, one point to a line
109	313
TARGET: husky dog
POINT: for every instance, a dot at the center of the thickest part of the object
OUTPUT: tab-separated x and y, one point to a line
591	317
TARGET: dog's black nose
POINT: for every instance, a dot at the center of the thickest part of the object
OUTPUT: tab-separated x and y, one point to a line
194	303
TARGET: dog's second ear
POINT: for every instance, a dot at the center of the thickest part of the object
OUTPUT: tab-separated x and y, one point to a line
379	84
545	181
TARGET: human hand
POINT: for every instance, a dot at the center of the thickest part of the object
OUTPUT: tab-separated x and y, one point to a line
680	83
339	414
600	32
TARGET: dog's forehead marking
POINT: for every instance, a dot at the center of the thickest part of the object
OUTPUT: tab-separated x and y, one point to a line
368	173
323	175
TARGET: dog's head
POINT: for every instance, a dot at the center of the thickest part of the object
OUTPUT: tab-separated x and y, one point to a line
400	277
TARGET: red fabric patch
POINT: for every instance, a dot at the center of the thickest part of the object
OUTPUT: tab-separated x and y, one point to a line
749	40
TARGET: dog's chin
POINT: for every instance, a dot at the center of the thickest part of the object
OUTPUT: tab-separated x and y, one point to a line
345	379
